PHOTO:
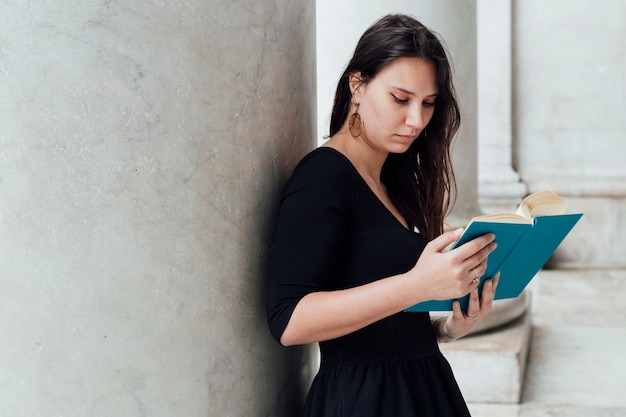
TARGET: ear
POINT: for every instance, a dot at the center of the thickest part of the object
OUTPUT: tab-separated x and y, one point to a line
355	83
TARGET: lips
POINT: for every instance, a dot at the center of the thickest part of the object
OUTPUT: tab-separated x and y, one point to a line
408	137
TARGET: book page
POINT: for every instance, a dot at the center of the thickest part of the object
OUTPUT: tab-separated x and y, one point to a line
503	218
542	203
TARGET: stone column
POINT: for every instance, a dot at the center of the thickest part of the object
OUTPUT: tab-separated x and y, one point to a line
500	189
455	21
143	148
571	140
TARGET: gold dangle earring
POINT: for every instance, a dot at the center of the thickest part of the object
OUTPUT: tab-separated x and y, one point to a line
354	123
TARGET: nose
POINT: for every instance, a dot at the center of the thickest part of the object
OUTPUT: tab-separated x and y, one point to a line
415	117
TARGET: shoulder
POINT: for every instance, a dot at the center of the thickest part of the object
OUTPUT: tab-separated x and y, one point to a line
324	166
326	159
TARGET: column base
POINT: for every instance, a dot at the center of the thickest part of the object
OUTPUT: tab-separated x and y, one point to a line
490	367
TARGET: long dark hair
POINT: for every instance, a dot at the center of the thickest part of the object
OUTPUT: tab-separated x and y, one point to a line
420	182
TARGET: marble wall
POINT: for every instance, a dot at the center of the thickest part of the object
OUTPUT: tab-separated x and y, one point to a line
569	129
142	149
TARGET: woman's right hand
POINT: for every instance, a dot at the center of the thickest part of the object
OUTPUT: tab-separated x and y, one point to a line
442	275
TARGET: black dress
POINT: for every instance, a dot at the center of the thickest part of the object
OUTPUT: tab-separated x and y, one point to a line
334	233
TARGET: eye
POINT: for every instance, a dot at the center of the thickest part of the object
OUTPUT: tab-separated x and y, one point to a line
398	99
429	104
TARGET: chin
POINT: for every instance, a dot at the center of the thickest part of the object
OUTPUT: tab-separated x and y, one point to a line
400	148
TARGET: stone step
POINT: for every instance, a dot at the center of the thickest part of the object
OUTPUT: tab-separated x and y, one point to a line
490	366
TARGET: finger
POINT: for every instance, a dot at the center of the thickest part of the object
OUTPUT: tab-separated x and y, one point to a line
457	313
473	308
487	295
487	290
496	280
475	274
479	259
476	250
444	240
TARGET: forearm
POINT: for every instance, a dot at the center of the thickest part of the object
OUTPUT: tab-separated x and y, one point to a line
437	275
330	314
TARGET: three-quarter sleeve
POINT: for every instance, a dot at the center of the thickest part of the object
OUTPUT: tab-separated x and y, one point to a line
314	214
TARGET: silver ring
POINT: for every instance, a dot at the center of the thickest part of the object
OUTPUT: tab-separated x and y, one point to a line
475	280
474	317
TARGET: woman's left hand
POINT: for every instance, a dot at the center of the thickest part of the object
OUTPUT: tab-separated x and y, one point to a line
459	323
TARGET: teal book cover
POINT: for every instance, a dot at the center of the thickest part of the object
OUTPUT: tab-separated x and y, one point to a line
523	249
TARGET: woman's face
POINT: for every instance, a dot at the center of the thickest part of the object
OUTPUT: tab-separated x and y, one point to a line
397	104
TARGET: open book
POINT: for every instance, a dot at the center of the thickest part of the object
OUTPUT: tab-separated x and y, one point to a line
526	240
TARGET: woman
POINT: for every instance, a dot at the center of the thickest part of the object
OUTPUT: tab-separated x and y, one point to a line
360	236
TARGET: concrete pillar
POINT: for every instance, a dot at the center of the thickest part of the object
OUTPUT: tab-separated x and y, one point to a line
455	20
500	188
143	147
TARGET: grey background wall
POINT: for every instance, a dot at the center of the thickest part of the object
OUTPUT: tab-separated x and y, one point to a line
142	149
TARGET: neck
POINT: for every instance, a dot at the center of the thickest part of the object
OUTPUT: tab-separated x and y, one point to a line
367	160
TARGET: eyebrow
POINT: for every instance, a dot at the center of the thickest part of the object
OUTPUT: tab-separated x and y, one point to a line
411	93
